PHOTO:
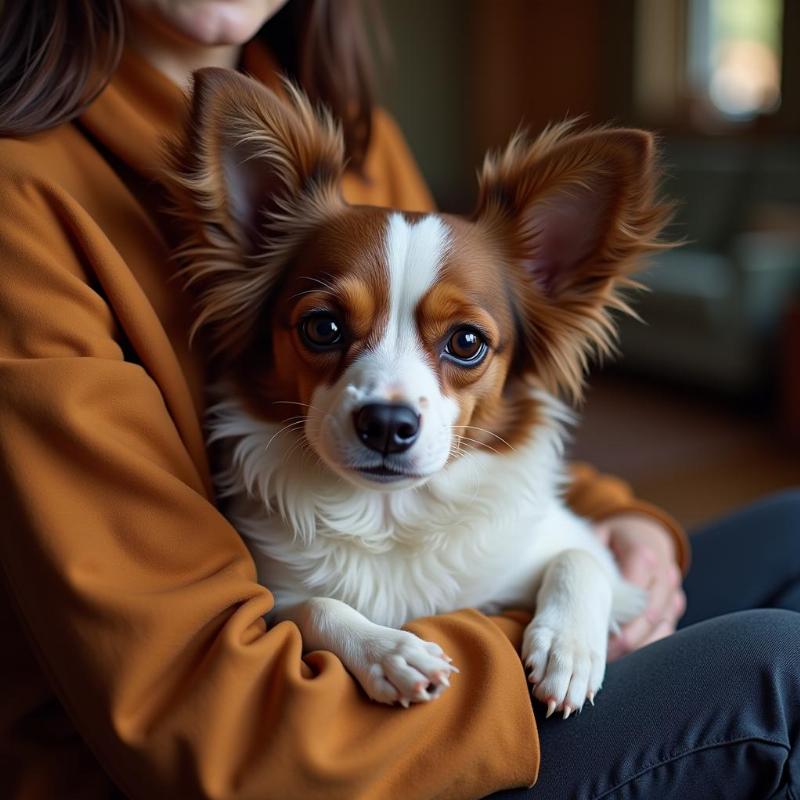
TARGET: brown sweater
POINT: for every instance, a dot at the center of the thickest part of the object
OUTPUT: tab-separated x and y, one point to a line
136	652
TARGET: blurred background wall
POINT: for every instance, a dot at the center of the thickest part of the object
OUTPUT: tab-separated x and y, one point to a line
701	412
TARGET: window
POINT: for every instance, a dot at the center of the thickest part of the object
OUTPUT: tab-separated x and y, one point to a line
707	62
734	55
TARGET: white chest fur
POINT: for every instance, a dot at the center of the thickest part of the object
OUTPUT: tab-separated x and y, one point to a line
479	534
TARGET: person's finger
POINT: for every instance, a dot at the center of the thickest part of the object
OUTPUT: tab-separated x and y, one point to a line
616	648
638	565
603	532
680	604
635	632
662	594
661	631
675	608
633	636
660	607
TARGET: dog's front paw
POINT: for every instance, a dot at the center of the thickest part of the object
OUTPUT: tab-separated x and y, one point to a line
396	666
566	665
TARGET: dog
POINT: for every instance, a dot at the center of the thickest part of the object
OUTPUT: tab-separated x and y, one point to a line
387	423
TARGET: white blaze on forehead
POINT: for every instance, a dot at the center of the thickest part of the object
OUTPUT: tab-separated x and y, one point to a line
414	254
397	368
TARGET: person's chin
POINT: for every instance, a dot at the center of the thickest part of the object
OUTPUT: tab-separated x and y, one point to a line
217	23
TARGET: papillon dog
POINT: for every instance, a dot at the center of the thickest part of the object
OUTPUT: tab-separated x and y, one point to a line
387	426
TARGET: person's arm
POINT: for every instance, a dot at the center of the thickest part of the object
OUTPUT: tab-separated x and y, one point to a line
141	601
599	497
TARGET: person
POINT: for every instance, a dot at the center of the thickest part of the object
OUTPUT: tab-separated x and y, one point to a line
137	661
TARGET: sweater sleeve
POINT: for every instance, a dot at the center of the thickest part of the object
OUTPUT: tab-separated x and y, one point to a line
597	496
141	602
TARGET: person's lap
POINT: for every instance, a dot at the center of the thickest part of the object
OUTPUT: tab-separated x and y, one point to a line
714	710
750	559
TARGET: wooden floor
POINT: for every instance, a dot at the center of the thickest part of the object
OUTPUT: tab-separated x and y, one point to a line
696	457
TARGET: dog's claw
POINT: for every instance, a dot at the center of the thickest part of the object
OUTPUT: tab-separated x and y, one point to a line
551	708
568	709
590	697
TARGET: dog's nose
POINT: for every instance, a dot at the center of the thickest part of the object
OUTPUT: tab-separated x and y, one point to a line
387	427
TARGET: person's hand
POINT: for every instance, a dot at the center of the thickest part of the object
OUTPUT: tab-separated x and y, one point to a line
645	553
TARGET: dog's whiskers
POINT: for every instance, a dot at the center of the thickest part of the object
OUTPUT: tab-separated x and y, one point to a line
285	429
485	430
477	442
301	445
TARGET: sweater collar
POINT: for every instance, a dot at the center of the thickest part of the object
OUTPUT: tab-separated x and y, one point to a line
141	108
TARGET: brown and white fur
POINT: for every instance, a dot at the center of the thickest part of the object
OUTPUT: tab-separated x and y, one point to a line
453	498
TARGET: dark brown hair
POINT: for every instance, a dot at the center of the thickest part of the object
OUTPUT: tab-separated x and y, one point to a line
57	55
322	45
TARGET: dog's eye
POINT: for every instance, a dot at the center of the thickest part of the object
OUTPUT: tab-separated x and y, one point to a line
321	331
466	346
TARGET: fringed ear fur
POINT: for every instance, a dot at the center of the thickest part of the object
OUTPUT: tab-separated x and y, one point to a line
252	175
575	212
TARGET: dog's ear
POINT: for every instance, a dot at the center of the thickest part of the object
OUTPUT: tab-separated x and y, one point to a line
251	176
574	213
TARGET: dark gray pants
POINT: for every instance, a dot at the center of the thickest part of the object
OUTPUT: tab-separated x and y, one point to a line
712	712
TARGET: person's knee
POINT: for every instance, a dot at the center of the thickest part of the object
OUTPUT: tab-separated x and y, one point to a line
771	636
784	506
768	620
